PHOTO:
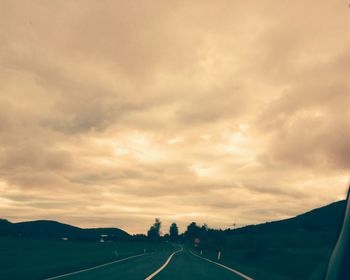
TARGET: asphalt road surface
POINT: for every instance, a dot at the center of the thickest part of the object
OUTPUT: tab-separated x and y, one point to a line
186	266
159	266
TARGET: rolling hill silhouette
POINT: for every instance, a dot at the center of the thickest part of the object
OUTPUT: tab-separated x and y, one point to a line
329	217
55	230
325	218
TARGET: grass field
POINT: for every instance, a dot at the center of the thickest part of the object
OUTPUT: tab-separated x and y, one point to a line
282	256
38	259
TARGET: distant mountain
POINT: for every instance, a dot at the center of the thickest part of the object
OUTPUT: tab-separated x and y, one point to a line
327	218
56	230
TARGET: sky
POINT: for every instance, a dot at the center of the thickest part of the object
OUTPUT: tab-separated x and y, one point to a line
113	113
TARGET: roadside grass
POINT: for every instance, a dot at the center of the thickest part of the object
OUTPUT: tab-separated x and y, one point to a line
33	259
282	256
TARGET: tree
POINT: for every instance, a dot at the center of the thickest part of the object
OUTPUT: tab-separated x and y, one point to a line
154	232
192	232
173	232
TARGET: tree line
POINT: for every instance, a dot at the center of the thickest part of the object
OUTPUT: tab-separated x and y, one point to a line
194	233
154	233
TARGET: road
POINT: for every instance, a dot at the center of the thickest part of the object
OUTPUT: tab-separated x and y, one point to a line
186	266
159	266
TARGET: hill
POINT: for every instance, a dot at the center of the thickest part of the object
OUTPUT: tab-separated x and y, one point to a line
44	229
294	248
326	218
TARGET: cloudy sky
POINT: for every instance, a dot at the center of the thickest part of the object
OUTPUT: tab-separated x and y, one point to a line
116	112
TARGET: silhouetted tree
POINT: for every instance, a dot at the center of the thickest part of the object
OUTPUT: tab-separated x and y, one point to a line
154	232
192	232
166	237
173	232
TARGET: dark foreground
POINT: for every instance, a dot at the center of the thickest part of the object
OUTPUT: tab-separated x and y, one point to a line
184	265
296	248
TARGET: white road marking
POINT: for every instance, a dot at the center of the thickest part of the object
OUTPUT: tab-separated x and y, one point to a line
163	266
101	265
224	266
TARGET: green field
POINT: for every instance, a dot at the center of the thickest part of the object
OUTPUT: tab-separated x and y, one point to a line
38	259
271	256
280	256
